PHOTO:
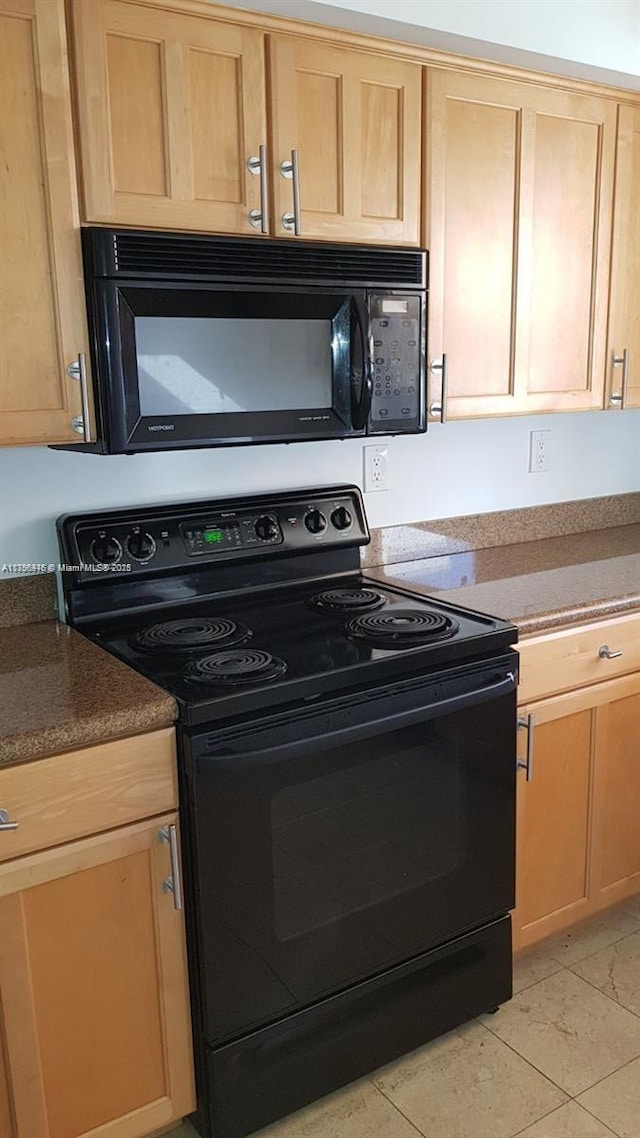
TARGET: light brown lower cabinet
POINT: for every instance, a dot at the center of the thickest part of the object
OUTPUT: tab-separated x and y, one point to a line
94	1020
578	845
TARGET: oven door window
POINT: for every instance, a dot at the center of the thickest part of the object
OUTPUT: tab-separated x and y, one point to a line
345	843
323	860
196	366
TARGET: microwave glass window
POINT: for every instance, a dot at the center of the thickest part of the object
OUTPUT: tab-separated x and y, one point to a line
214	366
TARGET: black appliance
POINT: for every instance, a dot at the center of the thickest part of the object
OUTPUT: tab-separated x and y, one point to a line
347	767
211	341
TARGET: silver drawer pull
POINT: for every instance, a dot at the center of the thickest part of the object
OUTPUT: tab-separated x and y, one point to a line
259	218
439	409
5	824
622	361
527	764
172	884
607	653
291	169
81	423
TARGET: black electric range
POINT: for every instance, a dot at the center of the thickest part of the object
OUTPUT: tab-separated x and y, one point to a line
347	769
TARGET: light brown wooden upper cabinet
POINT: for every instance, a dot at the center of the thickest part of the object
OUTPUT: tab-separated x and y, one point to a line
42	302
519	196
623	356
352	121
171	107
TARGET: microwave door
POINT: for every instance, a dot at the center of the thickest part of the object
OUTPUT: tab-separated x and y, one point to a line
189	366
361	363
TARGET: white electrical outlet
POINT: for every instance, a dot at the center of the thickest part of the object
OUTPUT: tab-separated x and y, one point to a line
376	468
539	446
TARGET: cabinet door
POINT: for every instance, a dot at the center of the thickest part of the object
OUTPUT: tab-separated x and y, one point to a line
93	989
170	108
518	228
354	119
624	315
553	827
42	304
617	796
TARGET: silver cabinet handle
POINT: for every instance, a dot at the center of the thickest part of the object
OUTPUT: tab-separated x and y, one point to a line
440	409
81	424
291	169
606	653
258	165
527	764
623	360
5	824
172	884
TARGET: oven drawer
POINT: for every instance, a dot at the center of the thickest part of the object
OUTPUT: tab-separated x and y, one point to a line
83	792
576	657
284	1066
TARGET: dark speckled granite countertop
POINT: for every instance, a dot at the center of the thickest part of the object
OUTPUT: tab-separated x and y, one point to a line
539	585
58	691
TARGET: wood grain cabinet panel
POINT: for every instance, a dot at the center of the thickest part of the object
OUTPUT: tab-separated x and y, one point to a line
94	989
617	797
552	866
42	302
83	792
578	837
624	313
170	108
519	197
574	657
354	119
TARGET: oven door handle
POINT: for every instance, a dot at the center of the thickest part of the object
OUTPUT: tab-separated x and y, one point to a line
395	722
361	401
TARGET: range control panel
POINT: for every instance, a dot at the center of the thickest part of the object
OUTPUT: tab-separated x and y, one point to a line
149	541
397	364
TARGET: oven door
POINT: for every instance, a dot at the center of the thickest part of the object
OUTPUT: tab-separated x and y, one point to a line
187	366
329	844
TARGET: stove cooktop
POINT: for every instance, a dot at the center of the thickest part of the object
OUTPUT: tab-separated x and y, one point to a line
237	605
232	654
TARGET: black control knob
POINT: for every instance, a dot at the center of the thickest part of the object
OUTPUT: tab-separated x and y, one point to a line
315	521
341	518
105	550
266	528
140	545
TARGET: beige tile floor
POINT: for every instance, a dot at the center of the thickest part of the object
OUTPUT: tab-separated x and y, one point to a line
561	1060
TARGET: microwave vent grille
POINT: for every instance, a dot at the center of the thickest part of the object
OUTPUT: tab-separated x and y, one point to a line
192	257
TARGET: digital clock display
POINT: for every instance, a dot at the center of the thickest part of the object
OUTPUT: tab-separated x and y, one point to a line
213	536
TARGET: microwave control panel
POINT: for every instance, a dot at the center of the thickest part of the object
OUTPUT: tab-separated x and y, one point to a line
396	364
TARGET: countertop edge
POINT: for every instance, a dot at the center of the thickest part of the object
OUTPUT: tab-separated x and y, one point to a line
46	743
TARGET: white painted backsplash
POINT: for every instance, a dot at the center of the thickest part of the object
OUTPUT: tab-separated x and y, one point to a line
456	468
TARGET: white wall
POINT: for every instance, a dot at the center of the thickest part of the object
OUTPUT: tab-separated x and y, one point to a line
597	39
458	468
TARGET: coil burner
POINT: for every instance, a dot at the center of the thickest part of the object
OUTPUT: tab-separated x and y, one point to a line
402	628
190	634
347	600
238	667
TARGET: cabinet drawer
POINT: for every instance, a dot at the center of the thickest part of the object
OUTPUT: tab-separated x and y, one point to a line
571	658
83	792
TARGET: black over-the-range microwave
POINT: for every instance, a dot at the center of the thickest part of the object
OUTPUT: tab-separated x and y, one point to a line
204	341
